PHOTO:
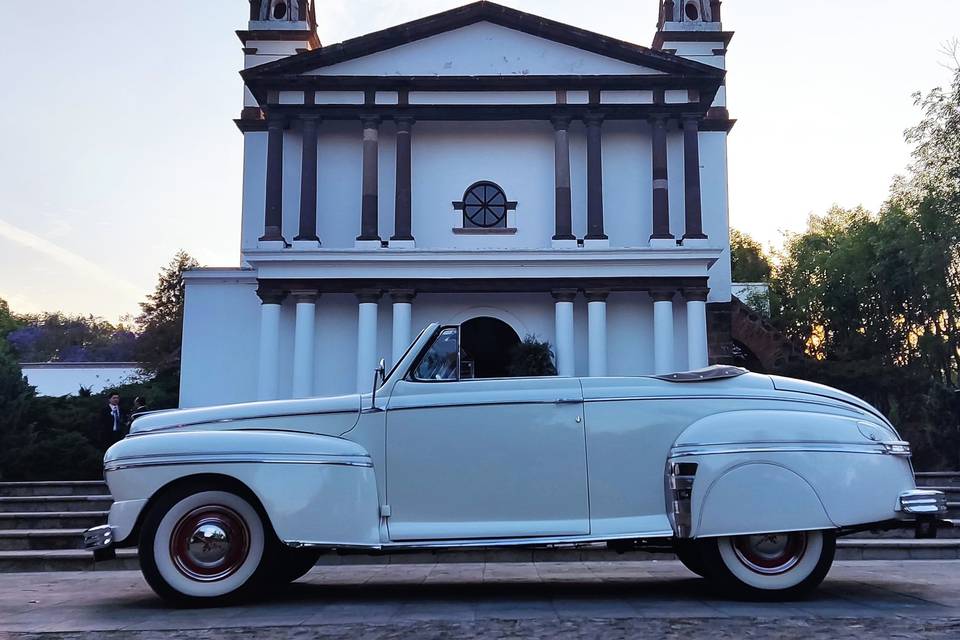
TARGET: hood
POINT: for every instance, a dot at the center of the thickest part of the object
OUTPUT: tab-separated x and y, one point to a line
334	415
815	389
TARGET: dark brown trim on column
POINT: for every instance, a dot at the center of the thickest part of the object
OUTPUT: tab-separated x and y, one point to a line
402	295
563	229
273	203
369	295
662	295
308	180
668	10
661	185
715	10
402	224
594	178
305	295
596	295
692	209
698	294
369	207
564	295
269	295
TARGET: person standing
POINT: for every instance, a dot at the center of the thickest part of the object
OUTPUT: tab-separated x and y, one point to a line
113	420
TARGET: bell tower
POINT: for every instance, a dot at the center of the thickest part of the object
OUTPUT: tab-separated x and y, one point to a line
277	29
692	29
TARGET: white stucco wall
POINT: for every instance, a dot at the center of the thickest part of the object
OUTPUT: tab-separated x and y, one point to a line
221	330
221	335
467	51
66	378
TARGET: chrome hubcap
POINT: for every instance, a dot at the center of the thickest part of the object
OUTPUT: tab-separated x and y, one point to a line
772	553
210	543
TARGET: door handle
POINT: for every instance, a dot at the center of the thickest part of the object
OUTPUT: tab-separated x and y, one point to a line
568	401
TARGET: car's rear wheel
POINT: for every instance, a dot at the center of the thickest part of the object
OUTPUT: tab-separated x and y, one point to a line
772	566
202	546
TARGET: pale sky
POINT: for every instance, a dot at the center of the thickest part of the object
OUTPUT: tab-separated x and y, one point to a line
117	145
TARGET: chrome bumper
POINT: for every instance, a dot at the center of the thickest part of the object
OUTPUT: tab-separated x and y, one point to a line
98	538
923	502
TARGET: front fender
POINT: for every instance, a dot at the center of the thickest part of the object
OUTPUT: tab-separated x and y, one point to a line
315	489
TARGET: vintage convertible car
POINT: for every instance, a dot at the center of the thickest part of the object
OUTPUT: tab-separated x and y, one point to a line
748	478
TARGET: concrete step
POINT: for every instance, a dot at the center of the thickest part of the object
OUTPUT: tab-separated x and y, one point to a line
54	488
889	549
938	479
64	560
52	519
40	539
20	504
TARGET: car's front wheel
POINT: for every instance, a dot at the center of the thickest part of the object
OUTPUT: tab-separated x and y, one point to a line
771	566
202	546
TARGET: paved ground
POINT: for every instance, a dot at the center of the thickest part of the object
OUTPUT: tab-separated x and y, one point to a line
593	600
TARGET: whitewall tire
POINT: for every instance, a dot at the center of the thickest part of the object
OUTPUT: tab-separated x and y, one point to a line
202	546
769	566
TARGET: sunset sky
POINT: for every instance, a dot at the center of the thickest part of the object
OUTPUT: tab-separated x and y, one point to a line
118	145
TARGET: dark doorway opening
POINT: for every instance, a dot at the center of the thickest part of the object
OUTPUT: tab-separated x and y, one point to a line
485	344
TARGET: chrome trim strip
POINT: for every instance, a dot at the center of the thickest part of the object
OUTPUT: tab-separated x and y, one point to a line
923	501
101	537
483	404
236	458
479	543
787	448
246	418
771	398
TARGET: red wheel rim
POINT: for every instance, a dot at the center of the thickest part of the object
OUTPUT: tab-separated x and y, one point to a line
210	543
770	553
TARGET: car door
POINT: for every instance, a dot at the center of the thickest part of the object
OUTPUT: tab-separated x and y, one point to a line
485	458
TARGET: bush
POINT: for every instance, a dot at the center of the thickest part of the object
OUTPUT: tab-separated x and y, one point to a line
531	358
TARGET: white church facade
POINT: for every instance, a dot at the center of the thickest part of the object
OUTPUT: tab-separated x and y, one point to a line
482	166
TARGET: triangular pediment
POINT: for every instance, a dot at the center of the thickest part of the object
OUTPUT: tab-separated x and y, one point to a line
482	49
481	39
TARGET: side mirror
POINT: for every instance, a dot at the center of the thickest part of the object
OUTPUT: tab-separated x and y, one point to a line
379	376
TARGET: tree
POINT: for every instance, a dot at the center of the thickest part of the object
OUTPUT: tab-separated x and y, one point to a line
16	405
161	322
8	321
748	261
49	337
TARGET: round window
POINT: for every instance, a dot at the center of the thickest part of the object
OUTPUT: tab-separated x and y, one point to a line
280	10
692	11
485	205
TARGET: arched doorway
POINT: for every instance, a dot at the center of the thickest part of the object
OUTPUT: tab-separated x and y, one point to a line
486	343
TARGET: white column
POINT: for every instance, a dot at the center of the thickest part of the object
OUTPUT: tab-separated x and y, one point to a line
596	333
697	356
663	345
366	339
563	314
304	343
268	372
402	312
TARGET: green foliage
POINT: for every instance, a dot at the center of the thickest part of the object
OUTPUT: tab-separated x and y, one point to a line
8	321
50	438
531	358
161	321
876	297
747	259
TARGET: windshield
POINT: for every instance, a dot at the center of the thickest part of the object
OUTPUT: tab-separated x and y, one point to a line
405	353
442	359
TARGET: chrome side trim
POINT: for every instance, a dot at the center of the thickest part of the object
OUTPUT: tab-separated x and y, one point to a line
300	414
799	447
480	543
838	404
236	458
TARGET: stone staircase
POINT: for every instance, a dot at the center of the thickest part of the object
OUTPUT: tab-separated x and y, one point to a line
41	524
